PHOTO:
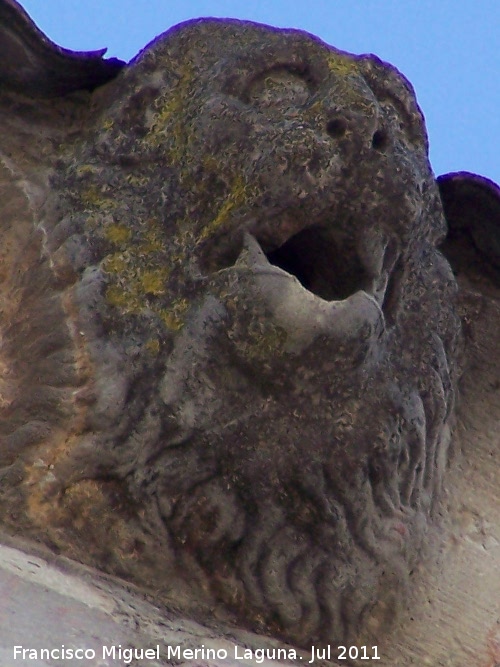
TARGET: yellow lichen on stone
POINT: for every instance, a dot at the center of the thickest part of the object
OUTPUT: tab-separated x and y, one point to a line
153	346
211	164
257	338
341	64
153	241
138	268
234	200
136	181
173	317
118	234
262	341
133	280
168	118
116	263
153	282
118	297
107	124
349	89
93	197
85	169
171	321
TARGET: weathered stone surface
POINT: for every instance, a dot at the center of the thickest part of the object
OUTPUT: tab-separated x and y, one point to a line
230	340
53	608
32	64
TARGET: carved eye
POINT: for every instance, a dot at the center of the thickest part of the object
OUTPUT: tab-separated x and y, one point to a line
279	87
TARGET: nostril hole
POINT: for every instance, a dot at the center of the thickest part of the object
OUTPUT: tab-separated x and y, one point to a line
337	127
380	140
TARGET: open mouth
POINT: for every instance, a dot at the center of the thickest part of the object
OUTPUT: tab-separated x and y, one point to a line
330	264
326	267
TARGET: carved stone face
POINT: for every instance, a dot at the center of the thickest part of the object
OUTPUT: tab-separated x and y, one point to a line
245	240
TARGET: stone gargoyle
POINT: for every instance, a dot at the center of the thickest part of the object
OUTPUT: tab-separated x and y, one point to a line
240	344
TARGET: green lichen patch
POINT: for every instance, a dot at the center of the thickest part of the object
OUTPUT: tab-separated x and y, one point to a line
118	234
236	198
94	197
153	346
107	124
255	336
173	318
264	340
132	284
138	270
87	169
168	126
342	65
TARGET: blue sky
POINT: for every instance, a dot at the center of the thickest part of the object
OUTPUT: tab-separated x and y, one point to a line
449	49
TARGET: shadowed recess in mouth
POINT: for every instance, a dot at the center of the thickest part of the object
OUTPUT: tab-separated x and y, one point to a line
331	270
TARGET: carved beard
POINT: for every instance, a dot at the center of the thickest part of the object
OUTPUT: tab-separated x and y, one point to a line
298	467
